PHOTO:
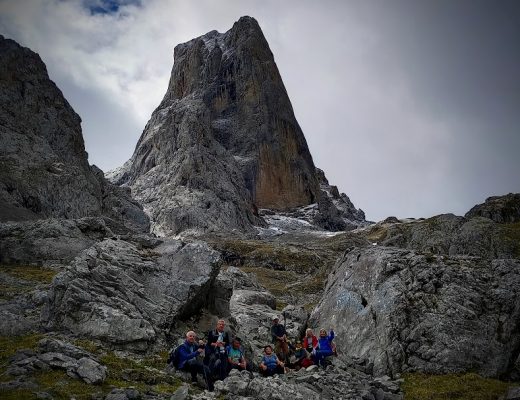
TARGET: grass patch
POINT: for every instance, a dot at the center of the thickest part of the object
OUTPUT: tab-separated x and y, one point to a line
22	278
470	386
288	285
29	273
377	233
10	344
88	345
275	281
510	233
60	386
271	255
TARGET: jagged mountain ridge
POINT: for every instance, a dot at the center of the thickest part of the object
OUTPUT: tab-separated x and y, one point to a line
44	166
224	142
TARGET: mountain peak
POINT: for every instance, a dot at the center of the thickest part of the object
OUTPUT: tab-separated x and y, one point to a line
225	131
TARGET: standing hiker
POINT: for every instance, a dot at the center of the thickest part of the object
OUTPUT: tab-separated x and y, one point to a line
279	336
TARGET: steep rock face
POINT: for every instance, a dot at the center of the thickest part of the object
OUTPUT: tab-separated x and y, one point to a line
44	170
125	295
224	141
501	209
407	311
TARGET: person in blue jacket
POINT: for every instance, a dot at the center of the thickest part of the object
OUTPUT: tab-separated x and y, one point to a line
270	364
324	348
190	362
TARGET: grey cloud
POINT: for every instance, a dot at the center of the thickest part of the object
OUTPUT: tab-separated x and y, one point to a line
411	108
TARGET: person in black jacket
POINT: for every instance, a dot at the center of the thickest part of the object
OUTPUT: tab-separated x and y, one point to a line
216	354
281	348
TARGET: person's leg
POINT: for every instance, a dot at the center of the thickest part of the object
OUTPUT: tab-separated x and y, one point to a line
191	367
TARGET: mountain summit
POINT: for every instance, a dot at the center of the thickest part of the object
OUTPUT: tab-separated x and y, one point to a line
224	142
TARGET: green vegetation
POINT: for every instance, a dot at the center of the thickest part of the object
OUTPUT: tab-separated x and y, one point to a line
469	386
511	236
10	344
29	273
145	374
25	279
377	233
272	255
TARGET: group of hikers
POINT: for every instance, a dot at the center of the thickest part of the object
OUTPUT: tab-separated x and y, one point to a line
216	357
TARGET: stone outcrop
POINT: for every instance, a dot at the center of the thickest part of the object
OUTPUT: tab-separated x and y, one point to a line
130	297
404	310
448	234
44	171
224	141
501	209
49	241
57	354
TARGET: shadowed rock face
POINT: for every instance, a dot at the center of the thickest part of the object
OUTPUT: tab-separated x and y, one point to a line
44	171
501	209
224	141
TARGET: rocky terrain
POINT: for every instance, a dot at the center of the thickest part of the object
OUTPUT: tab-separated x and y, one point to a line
91	301
44	171
224	143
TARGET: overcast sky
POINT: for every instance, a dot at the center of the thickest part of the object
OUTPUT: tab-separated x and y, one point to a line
412	108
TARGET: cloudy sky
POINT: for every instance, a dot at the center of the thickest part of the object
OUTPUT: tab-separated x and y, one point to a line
412	108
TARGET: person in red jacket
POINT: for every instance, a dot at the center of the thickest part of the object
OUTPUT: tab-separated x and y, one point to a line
310	341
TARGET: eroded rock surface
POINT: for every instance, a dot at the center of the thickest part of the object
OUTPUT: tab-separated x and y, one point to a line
408	311
224	141
119	294
44	170
501	209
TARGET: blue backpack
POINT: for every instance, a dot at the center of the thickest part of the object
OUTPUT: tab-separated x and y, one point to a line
174	356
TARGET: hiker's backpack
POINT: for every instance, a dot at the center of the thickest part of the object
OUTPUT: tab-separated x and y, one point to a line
174	356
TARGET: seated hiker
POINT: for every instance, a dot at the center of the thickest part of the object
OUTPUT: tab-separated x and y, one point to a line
270	364
324	348
189	362
301	357
310	341
279	335
216	355
236	358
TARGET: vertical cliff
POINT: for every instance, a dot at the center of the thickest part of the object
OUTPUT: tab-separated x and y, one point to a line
44	170
224	141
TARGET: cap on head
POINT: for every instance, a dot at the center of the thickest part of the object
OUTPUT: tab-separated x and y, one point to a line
276	319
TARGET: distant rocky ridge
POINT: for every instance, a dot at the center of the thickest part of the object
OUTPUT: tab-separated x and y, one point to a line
44	171
224	142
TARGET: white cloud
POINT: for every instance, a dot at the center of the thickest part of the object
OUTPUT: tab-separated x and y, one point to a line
368	122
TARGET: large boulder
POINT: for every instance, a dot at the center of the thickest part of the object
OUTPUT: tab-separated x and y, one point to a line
130	297
408	311
44	170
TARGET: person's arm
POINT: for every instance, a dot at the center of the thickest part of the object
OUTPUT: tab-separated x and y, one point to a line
262	365
185	353
331	335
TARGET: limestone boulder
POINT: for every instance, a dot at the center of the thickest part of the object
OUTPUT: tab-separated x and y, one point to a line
405	311
127	296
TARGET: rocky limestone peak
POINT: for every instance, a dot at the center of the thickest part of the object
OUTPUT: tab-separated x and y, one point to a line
501	209
224	142
44	166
